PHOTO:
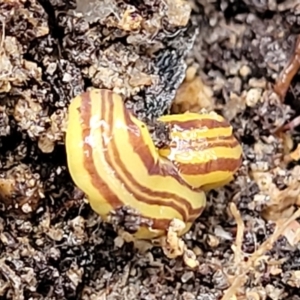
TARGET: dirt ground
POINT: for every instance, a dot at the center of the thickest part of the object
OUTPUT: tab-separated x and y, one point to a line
237	57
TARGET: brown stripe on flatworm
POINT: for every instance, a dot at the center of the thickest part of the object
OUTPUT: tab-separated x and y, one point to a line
220	164
98	183
192	124
144	155
160	168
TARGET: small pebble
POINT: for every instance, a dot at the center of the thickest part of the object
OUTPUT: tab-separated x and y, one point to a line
253	96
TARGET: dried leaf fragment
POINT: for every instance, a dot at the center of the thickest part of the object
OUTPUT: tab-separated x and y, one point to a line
173	246
294	280
295	155
179	12
192	95
280	202
130	20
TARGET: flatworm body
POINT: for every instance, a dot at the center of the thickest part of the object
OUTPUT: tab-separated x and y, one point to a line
113	160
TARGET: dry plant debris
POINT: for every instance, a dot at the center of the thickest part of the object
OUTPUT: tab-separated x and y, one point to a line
192	95
239	57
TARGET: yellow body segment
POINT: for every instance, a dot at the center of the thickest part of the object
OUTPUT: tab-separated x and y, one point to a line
207	146
113	160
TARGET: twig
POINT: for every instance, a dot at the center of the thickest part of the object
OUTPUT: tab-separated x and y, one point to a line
240	233
290	70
